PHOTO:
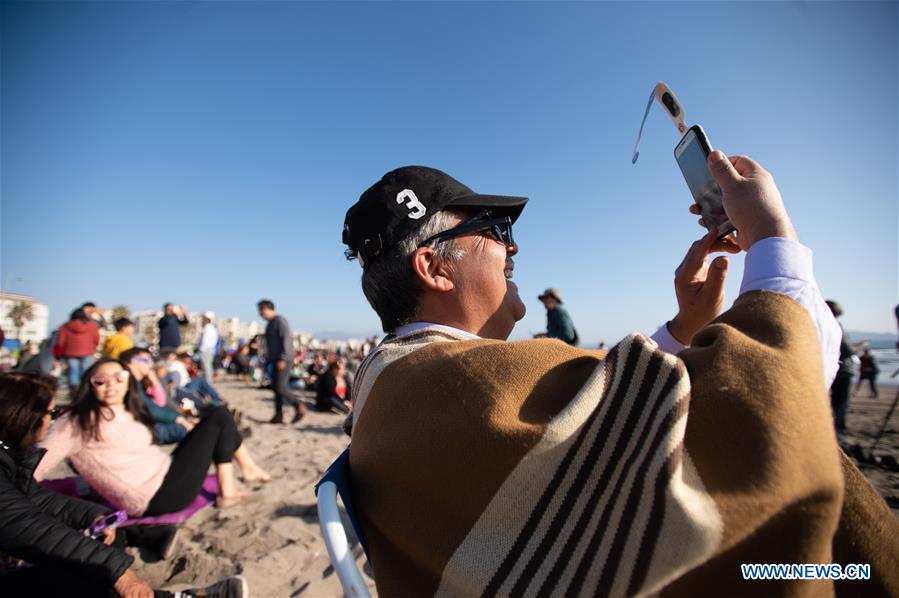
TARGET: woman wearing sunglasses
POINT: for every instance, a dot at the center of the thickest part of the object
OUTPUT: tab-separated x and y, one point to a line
108	435
42	527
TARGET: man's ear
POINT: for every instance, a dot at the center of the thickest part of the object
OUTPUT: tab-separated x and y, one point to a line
431	270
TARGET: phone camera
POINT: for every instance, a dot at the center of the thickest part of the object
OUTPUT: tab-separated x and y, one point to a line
670	104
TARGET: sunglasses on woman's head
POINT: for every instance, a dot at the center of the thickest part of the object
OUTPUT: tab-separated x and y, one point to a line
101	379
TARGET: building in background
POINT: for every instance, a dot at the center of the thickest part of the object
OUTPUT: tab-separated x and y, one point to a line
35	329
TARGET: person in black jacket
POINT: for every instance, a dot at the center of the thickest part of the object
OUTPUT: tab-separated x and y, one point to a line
41	527
42	551
170	327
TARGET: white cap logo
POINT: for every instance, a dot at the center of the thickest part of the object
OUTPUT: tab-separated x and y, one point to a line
415	207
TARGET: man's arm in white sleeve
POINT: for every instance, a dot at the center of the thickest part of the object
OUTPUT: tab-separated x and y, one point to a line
783	266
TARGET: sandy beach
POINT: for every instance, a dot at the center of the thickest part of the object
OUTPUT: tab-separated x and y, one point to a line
272	537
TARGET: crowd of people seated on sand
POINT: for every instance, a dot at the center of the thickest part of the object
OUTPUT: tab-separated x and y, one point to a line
124	401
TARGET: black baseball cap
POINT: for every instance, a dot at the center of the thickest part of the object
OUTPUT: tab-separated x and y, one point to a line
403	200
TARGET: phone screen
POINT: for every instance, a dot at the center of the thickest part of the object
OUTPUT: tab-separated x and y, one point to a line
692	155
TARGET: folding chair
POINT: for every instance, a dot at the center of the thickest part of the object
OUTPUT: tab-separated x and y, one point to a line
336	480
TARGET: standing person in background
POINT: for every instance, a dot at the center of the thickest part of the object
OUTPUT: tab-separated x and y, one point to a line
280	353
169	327
842	384
868	370
90	309
76	344
558	322
896	312
122	340
209	339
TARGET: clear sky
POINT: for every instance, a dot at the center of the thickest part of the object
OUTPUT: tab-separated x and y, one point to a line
205	153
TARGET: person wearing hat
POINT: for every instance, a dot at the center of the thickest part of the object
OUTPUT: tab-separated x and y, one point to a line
558	322
486	467
208	344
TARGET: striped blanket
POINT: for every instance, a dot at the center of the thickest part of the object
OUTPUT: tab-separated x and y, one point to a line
534	468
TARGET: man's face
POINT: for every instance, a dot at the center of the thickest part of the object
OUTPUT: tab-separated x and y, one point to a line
169	310
482	281
267	313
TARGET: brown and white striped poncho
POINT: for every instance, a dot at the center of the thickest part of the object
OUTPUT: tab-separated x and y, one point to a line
534	468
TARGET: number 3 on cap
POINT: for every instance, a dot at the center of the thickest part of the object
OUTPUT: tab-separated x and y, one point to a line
415	207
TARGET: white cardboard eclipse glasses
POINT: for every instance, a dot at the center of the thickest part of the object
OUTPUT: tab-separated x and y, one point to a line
673	108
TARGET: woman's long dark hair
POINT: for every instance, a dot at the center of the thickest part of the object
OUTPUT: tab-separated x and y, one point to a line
86	409
24	400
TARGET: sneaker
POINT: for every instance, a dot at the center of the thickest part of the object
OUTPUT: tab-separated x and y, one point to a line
277	419
230	587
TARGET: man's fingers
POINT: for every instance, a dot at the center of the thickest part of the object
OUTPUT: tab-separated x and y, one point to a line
717	274
695	257
724	173
694	209
745	165
726	245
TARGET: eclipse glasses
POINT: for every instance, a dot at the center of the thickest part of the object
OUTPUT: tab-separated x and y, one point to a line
673	108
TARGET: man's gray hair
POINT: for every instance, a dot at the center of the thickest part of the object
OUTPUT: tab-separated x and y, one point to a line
390	283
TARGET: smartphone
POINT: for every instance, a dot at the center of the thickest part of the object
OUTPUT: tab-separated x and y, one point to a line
692	155
111	520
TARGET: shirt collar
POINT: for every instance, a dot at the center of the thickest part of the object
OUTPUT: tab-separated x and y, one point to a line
416	326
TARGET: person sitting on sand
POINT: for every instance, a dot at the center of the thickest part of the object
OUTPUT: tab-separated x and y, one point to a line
108	435
486	467
169	425
180	385
44	551
121	341
332	391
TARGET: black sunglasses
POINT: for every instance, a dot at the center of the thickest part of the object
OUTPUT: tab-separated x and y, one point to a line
55	413
499	228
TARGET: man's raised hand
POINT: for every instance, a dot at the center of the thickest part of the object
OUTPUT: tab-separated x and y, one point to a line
751	199
699	286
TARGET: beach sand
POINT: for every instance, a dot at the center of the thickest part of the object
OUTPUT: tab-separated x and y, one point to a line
272	538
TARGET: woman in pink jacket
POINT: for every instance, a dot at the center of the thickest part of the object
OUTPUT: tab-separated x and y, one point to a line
108	435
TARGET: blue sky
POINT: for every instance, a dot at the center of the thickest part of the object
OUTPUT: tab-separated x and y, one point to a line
205	153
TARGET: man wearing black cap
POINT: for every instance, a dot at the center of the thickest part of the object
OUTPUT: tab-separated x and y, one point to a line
485	467
558	322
